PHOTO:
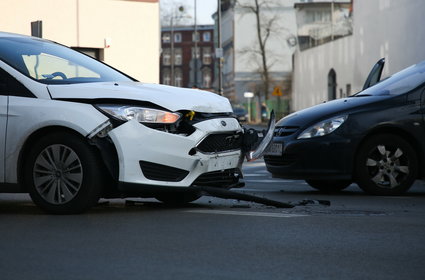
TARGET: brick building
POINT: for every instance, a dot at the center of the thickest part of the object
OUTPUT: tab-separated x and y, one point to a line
186	69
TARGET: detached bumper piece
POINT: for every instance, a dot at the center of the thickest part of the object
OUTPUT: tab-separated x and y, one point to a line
226	194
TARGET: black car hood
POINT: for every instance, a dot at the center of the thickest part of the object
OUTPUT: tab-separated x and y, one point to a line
327	110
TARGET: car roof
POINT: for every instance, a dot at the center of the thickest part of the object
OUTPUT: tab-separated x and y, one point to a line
8	34
22	36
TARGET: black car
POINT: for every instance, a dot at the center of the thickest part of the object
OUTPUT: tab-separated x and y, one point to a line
375	138
241	114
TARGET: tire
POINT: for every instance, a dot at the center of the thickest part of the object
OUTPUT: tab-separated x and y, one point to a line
63	174
178	198
328	186
386	165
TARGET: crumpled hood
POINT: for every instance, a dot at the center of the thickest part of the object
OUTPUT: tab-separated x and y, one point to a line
171	98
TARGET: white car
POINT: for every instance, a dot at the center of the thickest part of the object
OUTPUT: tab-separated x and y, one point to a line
74	130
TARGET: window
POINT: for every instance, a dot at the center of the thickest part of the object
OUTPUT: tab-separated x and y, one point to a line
51	63
178	77
348	90
93	52
166	37
166	77
178	56
331	85
177	37
206	55
206	37
206	78
166	57
10	86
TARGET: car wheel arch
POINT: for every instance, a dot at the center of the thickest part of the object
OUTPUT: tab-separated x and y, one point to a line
35	135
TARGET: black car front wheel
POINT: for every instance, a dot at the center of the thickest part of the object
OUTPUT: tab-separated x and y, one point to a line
386	165
329	186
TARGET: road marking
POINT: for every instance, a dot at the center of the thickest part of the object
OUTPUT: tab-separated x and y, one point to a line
254	190
253	175
245	213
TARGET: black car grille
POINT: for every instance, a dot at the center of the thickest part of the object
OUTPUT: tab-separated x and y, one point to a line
214	143
222	179
285	130
159	172
280	160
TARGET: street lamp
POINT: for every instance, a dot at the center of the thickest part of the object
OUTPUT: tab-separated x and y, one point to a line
195	62
249	96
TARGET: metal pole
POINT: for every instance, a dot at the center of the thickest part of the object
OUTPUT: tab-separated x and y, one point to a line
249	110
220	60
332	20
196	52
172	51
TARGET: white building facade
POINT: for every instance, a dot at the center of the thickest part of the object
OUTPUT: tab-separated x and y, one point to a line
338	68
123	33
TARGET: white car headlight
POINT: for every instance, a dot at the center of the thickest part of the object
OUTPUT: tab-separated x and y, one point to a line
141	114
323	128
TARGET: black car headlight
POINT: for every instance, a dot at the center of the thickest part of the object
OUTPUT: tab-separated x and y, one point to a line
323	128
141	114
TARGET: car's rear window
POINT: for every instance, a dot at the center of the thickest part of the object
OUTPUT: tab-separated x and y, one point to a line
401	82
51	63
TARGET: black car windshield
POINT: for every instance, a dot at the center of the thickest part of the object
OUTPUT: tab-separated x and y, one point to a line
399	83
51	63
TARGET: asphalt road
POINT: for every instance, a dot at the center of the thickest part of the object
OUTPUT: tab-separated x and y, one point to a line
357	237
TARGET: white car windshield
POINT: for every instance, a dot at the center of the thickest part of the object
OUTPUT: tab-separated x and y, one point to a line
52	63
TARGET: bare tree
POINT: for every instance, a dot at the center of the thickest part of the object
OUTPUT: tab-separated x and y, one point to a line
176	12
265	27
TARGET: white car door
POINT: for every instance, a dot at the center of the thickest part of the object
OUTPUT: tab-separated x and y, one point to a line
9	86
3	120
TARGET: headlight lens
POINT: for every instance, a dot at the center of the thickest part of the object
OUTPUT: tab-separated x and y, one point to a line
141	114
323	128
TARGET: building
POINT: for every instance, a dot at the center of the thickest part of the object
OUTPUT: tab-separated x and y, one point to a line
123	33
179	65
322	22
337	67
242	70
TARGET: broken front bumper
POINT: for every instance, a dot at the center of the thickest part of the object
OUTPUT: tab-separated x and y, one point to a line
152	158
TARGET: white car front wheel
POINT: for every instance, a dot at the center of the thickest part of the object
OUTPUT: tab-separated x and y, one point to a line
63	174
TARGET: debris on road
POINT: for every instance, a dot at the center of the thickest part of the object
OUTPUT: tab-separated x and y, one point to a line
223	193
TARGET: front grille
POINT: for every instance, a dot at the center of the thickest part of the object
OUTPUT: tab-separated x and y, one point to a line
221	179
285	130
280	160
214	143
159	172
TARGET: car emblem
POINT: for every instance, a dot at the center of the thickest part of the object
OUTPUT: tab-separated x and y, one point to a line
223	123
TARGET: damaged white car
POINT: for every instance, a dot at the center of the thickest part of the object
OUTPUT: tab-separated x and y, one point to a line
74	130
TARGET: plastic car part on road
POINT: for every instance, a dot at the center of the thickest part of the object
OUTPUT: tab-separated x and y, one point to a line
267	138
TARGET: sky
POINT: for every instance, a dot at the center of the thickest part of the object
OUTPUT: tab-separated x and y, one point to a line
205	8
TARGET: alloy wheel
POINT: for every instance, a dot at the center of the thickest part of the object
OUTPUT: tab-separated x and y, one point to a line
57	174
388	166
